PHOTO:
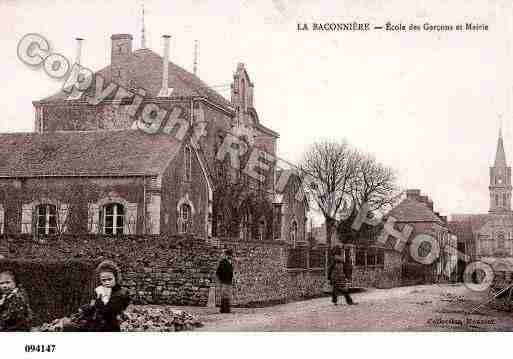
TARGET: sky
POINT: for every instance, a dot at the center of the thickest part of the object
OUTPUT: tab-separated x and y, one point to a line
428	104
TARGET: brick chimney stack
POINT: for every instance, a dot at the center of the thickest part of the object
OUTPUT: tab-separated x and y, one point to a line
165	91
121	49
413	194
430	203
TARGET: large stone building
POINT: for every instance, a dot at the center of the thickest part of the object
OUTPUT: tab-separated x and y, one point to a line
87	168
489	236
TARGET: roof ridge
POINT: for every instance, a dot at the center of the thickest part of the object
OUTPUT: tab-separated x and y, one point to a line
189	82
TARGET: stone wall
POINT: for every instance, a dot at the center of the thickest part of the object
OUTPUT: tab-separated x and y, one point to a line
261	274
179	270
156	269
385	276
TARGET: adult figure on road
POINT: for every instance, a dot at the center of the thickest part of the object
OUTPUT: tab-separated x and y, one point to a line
338	279
224	274
15	313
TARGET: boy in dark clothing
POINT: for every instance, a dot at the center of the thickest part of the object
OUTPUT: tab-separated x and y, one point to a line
339	275
224	274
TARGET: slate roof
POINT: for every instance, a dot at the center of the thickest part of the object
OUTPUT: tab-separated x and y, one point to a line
409	210
144	68
85	153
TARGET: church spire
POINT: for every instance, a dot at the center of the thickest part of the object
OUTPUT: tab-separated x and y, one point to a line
143	30
195	64
500	156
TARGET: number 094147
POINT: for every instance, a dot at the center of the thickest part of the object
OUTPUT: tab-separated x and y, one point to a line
39	348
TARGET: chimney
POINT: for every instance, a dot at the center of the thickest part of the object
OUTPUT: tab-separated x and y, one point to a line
413	194
165	91
79	50
430	204
426	200
121	48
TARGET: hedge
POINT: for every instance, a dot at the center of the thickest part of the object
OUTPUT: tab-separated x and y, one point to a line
54	289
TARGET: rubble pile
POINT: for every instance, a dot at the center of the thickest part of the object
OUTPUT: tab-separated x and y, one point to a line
50	327
142	319
158	319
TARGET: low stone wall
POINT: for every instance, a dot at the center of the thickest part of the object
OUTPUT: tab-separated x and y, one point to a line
179	270
156	269
387	275
261	274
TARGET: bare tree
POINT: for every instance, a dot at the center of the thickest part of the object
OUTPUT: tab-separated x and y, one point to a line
340	180
327	170
373	185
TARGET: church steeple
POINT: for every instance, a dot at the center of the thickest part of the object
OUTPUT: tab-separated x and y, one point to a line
500	180
500	156
143	30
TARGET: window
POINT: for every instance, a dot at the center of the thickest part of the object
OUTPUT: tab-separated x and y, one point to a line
46	219
371	257
380	259
293	232
500	240
187	163
185	218
504	200
497	200
219	225
261	229
245	226
243	94
112	218
360	258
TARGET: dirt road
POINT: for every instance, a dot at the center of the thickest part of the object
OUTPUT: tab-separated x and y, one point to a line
416	308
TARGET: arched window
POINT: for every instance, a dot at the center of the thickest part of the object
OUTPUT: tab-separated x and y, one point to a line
243	94
293	232
219	225
46	219
112	218
500	240
187	163
245	226
184	218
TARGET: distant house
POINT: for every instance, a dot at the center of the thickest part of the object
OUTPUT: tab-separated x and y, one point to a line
416	210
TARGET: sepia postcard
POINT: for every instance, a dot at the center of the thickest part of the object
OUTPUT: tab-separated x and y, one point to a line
246	166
